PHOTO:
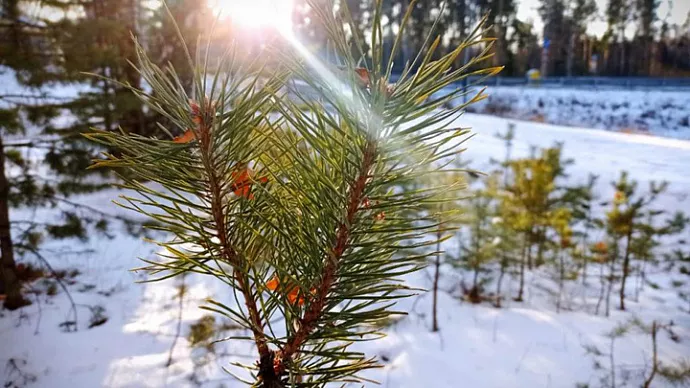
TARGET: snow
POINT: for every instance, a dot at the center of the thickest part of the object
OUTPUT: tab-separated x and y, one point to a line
658	112
523	344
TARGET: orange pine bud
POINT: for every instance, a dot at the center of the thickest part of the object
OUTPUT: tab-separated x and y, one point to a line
242	182
295	296
273	283
363	76
185	137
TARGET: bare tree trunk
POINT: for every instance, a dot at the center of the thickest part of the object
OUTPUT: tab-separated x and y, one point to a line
499	58
641	279
609	288
626	269
622	51
529	254
10	284
571	54
561	280
585	237
612	361
133	118
522	272
107	111
540	248
405	48
474	292
437	264
499	282
602	282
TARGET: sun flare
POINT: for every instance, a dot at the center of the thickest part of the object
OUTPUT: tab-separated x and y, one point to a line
257	14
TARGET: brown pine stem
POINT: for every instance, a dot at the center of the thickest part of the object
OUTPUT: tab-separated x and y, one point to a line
525	249
626	268
561	279
311	317
228	253
540	248
504	264
602	283
609	289
529	249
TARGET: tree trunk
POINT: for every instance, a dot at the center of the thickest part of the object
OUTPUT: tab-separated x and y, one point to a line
585	257
499	58
474	292
602	282
9	281
499	282
561	280
642	278
522	272
405	41
626	269
610	287
540	248
571	54
132	119
107	110
622	52
529	253
437	264
612	361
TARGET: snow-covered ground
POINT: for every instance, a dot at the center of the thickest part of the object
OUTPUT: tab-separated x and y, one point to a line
658	112
522	345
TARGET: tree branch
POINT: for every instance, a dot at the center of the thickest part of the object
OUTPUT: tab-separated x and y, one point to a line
94	210
46	263
315	310
178	330
227	251
32	143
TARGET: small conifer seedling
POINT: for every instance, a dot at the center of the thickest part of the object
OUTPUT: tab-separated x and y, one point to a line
281	178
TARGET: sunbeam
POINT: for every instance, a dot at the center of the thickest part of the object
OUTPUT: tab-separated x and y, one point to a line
342	91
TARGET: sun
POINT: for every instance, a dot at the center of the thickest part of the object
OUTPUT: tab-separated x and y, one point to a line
256	14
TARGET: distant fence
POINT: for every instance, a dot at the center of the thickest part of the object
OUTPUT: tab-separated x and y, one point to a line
681	84
596	82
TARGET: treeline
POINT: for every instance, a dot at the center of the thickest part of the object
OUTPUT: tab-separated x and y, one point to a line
638	41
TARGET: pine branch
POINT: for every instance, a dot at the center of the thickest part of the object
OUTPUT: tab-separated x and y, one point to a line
227	251
315	311
34	144
297	198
